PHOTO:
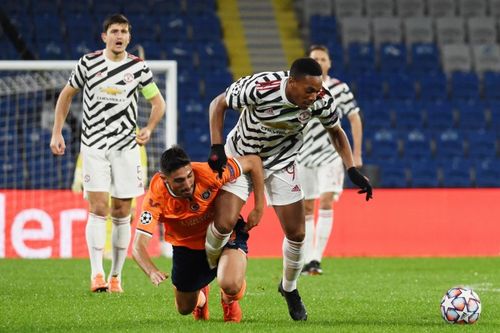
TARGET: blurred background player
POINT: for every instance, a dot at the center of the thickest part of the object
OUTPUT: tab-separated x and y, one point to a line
275	108
111	79
182	197
320	167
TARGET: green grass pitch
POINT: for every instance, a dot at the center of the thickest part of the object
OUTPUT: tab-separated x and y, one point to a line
354	295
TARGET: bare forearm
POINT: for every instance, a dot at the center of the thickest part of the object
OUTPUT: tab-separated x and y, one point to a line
142	258
257	175
61	112
342	146
357	134
217	111
157	111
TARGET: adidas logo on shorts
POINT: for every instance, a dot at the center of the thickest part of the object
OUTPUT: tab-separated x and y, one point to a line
296	188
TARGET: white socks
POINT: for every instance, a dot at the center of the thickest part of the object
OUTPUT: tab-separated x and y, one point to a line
120	239
214	243
293	257
323	230
95	234
309	239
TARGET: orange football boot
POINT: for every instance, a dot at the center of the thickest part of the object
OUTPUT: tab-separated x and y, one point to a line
115	285
232	311
98	284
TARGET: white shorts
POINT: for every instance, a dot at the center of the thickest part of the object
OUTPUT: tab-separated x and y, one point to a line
282	187
118	172
327	178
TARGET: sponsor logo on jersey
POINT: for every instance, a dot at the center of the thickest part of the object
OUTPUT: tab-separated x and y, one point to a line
111	91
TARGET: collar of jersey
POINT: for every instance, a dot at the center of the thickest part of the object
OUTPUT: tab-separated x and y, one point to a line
283	92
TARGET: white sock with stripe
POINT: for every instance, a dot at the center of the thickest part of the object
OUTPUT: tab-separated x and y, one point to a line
120	240
323	231
95	235
293	260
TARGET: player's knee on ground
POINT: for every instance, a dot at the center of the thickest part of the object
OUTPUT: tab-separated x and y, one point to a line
186	306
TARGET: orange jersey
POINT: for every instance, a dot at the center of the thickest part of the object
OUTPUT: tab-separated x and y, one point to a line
185	219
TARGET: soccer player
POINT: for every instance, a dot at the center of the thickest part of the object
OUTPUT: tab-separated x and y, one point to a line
182	197
110	80
321	171
275	107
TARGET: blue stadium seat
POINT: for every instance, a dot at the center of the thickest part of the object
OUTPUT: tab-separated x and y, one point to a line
457	172
424	58
440	115
369	86
482	145
417	145
377	116
361	58
424	174
450	144
144	27
400	86
393	174
488	173
408	114
384	145
471	114
432	85
464	85
495	122
206	28
323	29
491	82
174	28
166	7
393	57
212	56
197	7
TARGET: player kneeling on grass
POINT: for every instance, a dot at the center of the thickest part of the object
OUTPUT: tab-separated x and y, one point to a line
182	197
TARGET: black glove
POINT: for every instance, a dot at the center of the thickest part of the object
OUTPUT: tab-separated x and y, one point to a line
361	181
217	159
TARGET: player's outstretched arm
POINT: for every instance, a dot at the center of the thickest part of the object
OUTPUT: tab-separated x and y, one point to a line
253	165
57	144
157	112
142	258
341	144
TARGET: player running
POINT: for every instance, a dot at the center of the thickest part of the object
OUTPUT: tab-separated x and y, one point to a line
275	107
182	197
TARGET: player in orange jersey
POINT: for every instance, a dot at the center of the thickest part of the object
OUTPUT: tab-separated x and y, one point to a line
182	196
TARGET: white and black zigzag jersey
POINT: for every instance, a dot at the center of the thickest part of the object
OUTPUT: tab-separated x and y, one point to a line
110	94
270	125
318	149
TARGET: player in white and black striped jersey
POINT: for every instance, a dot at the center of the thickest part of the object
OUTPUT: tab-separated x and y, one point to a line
275	107
111	80
320	167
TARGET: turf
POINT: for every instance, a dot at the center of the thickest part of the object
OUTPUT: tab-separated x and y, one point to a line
354	295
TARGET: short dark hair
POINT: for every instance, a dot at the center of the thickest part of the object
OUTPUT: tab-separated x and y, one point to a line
318	47
305	66
115	18
173	158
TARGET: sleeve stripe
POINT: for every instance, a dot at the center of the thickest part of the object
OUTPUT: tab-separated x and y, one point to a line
144	232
